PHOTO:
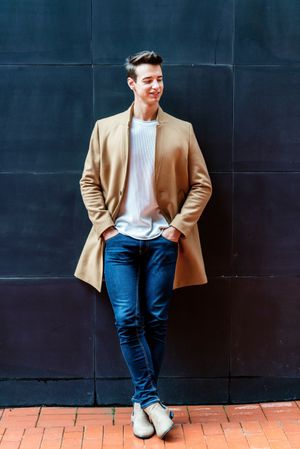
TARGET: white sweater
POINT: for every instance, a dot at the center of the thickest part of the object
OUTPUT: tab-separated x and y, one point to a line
139	215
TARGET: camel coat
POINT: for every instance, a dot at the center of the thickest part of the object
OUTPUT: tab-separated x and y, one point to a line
182	186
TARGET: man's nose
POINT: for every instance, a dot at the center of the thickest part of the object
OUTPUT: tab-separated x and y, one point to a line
155	84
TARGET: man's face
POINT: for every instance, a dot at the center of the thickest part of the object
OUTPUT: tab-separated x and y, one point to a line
148	87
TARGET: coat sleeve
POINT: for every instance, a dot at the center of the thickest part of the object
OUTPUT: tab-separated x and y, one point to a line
200	189
90	186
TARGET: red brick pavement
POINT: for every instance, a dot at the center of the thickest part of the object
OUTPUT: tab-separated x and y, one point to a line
272	425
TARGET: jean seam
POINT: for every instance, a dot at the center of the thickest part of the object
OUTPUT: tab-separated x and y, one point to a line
137	333
137	295
146	360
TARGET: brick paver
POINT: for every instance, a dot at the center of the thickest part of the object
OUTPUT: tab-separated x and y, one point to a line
272	425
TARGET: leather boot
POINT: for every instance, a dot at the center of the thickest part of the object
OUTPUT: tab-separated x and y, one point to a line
142	428
159	416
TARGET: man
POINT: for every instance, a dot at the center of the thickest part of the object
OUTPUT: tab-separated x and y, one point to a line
145	185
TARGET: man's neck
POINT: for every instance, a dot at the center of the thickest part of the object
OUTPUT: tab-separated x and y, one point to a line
144	112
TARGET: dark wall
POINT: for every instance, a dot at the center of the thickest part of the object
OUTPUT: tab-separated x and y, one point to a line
232	69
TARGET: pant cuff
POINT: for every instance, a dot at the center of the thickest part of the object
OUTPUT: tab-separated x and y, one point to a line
145	404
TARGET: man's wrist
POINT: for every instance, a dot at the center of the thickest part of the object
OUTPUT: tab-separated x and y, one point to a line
172	233
177	230
108	230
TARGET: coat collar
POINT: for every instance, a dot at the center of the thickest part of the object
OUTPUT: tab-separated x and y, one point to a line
128	114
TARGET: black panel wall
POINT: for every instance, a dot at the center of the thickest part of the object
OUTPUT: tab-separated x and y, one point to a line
232	68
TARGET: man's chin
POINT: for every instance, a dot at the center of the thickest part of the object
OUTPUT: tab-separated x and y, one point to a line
152	100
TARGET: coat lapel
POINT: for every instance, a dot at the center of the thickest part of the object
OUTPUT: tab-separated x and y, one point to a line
159	145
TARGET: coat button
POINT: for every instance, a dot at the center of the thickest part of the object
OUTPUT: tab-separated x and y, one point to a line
121	191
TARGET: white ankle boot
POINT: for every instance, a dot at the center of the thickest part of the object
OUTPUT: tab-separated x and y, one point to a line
142	428
159	416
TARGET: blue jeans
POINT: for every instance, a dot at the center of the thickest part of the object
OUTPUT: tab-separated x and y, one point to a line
139	278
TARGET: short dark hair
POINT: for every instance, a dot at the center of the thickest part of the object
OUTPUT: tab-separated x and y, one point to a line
142	57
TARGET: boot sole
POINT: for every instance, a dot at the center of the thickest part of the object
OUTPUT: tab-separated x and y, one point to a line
144	437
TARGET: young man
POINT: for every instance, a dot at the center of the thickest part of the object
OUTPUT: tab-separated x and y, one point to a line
145	185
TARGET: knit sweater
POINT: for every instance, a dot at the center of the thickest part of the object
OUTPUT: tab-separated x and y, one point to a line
139	215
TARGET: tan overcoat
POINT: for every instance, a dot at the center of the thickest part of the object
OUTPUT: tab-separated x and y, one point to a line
182	186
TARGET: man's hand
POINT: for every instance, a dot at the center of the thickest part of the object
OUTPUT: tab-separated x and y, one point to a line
171	233
109	232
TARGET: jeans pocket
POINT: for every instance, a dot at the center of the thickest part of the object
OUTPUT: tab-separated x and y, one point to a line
111	238
168	240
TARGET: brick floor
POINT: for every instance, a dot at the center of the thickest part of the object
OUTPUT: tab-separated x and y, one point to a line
272	425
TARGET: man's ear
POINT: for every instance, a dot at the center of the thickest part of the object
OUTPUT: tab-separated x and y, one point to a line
130	83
